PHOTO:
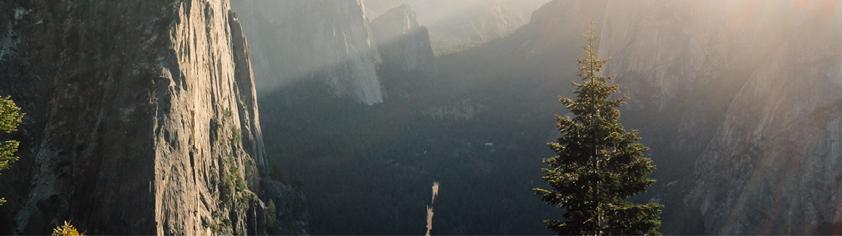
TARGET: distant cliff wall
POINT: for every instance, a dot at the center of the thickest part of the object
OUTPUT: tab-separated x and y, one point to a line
738	99
402	42
313	39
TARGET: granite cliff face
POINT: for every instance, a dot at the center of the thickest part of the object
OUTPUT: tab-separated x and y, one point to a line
682	68
757	105
142	118
743	95
403	44
313	39
772	167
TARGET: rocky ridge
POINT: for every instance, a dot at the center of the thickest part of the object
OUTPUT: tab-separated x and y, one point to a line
142	118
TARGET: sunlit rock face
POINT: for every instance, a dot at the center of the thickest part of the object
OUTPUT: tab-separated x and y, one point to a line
773	166
727	84
742	94
141	118
681	63
402	42
313	39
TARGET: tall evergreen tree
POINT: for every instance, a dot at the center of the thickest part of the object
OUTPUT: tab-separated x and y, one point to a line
598	164
10	118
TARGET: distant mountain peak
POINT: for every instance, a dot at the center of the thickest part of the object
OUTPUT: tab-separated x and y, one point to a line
402	42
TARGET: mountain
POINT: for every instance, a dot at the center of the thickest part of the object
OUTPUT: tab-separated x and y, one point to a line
771	166
302	40
734	100
402	42
367	169
141	118
456	25
738	109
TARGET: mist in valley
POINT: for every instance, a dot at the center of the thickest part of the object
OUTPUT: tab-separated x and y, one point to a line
335	116
699	75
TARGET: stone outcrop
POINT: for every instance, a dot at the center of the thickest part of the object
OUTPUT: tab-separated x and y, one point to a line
402	42
141	118
313	39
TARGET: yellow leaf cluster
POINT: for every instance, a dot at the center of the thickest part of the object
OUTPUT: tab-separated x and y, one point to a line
66	230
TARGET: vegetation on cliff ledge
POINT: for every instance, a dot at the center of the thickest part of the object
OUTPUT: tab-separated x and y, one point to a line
10	118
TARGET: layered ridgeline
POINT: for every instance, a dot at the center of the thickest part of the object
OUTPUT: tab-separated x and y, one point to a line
402	42
301	40
740	94
141	118
457	25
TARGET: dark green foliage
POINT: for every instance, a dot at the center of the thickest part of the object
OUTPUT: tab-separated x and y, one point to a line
598	164
10	118
271	214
